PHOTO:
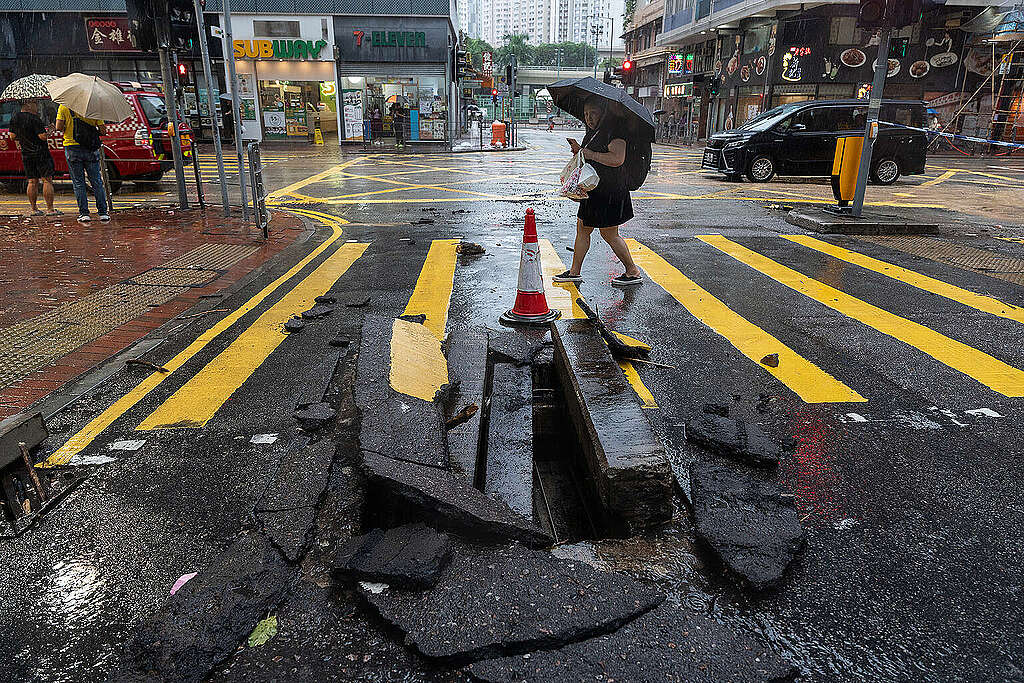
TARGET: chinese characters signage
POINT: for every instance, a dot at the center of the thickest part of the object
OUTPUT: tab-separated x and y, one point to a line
488	63
675	65
111	34
791	69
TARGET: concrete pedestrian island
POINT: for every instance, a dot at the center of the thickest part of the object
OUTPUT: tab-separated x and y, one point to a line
622	453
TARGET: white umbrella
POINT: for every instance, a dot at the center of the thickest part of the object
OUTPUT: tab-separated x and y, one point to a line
91	97
28	88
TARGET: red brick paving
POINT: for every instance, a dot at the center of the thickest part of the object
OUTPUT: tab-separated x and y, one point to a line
47	263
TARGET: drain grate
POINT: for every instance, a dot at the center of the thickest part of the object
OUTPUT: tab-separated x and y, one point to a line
35	343
959	256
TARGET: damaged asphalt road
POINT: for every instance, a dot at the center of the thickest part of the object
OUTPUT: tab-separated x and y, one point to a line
786	538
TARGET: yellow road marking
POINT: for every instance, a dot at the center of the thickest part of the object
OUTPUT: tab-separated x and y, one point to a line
940	179
199	399
298	185
433	292
983	303
991	372
807	380
562	297
418	368
85	436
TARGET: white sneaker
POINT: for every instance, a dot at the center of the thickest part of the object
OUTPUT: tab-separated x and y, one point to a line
84	218
104	217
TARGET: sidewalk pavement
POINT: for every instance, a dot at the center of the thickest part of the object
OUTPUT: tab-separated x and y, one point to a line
73	295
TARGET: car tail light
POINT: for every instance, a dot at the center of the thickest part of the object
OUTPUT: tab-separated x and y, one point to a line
143	138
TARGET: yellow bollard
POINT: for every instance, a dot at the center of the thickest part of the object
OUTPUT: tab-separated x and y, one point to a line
845	165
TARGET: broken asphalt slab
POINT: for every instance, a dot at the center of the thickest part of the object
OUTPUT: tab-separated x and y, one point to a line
409	556
510	600
518	346
288	507
670	643
508	474
624	456
446	500
209	616
751	525
402	426
736	439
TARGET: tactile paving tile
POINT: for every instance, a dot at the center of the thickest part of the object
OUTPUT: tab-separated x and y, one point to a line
35	343
981	261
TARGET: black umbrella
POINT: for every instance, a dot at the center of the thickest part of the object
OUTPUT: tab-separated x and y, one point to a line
570	94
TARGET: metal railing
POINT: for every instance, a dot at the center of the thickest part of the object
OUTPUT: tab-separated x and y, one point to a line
259	191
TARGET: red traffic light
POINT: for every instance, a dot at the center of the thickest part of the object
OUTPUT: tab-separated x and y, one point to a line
182	70
627	65
494	92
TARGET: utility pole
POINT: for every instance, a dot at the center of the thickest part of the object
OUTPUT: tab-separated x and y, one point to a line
871	123
229	57
163	42
213	103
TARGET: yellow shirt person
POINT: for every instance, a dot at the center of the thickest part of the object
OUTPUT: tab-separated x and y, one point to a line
64	114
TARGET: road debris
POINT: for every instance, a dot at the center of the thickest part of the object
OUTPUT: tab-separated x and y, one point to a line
145	364
462	416
318	311
264	631
418	318
618	346
469	249
359	303
295	325
409	556
771	360
182	580
326	299
36	483
313	416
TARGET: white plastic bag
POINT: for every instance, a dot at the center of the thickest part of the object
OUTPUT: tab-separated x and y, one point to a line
578	177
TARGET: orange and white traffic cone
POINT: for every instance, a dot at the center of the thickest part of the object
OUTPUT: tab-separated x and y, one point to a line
531	305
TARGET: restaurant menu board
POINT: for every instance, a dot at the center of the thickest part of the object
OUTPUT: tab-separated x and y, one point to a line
352	114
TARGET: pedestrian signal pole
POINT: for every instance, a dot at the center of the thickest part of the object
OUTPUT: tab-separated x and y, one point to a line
236	113
169	80
873	14
214	103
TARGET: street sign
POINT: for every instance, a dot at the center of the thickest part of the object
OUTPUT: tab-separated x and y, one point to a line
488	63
466	83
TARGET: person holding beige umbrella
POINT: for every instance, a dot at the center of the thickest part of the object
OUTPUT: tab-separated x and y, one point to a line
85	103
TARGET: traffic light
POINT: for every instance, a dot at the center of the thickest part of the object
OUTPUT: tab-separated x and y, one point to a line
461	64
494	95
183	23
608	76
182	73
905	12
872	13
627	72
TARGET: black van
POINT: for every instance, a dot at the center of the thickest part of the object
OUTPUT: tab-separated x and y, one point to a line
800	139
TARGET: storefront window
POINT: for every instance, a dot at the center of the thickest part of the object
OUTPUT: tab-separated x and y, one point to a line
755	40
403	109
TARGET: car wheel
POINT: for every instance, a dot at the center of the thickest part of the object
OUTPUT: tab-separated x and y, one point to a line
886	172
761	169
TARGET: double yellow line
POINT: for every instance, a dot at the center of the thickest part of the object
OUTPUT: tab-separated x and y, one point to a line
86	435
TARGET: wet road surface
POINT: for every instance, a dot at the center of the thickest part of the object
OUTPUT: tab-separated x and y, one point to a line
900	388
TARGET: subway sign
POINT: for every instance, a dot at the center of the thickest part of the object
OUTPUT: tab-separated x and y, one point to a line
390	38
279	49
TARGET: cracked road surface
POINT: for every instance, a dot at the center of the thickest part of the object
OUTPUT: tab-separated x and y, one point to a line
897	393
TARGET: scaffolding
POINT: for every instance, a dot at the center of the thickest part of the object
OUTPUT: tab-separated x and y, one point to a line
999	117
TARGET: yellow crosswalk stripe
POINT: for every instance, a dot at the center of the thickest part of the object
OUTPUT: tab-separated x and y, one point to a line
807	380
561	296
85	436
986	304
418	367
199	399
991	372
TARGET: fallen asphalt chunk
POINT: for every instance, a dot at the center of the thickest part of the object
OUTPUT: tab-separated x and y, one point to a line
469	249
26	428
326	299
447	500
508	475
409	556
295	325
751	525
314	415
402	426
736	439
288	508
209	616
318	311
510	600
670	643
625	458
518	346
467	370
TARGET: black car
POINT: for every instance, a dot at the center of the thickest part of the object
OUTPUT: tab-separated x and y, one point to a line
800	139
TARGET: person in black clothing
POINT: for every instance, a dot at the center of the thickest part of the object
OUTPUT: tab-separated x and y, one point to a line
31	134
608	205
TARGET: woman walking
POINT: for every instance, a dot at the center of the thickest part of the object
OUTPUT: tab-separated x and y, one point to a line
608	205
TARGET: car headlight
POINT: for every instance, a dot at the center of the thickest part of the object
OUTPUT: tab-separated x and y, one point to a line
737	143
